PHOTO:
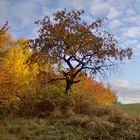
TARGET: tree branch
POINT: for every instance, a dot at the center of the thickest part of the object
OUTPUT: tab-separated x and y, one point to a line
55	79
68	62
76	81
98	67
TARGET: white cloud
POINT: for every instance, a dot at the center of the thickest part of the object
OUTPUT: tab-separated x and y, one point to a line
128	100
131	32
24	12
133	20
98	7
113	13
133	85
131	42
115	24
22	15
120	83
128	92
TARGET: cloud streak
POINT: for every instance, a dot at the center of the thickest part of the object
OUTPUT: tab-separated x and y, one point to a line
128	92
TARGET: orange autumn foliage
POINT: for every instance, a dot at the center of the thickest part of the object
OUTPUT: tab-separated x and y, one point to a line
103	95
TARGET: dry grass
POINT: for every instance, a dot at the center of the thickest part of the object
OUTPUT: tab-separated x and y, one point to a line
102	124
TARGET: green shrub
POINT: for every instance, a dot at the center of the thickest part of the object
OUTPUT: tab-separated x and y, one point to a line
41	102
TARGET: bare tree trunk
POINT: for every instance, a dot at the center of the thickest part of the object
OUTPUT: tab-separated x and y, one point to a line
68	87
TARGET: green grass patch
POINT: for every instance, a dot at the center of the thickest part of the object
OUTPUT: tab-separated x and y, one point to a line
37	129
133	109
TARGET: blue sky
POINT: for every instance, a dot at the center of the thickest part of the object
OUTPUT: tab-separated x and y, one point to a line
123	22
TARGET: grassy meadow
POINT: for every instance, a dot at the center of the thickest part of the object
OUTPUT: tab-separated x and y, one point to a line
133	109
96	123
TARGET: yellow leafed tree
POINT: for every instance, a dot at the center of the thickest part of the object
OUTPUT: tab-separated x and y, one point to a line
16	59
17	77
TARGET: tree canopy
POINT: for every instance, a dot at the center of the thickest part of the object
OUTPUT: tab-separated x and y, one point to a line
75	45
